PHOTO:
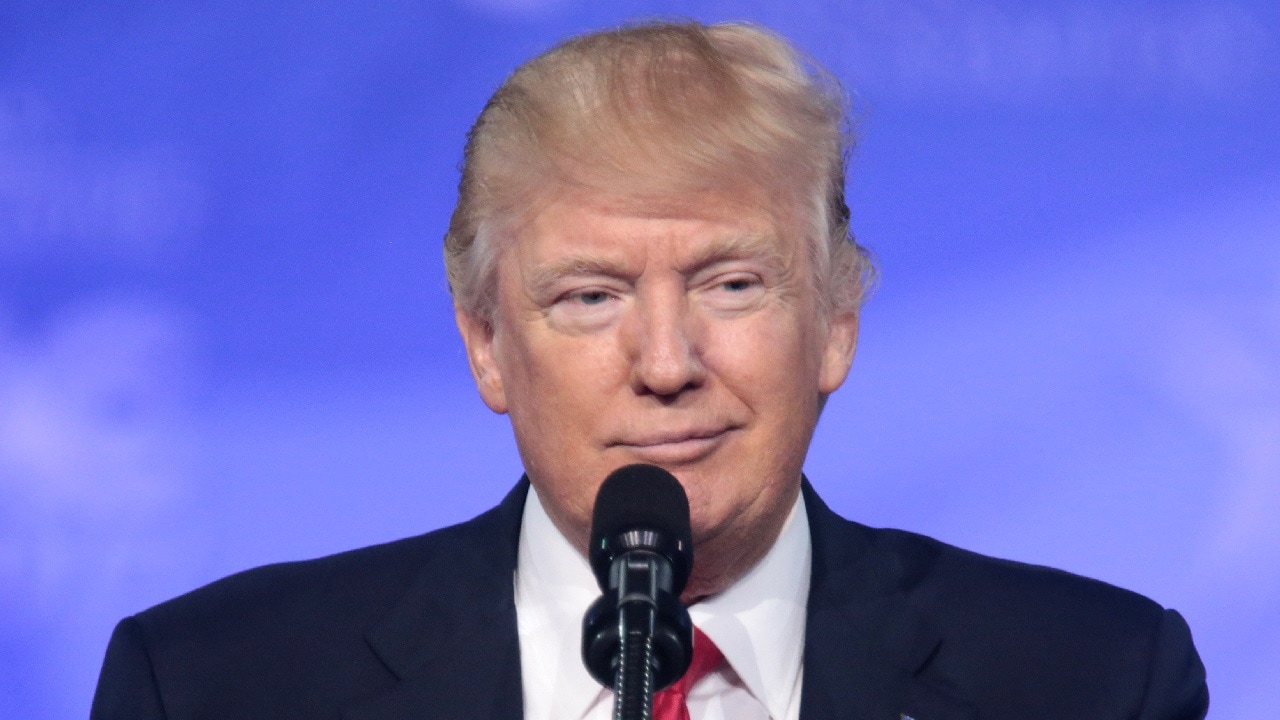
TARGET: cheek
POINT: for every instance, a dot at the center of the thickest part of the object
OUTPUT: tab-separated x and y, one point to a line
558	385
764	354
772	368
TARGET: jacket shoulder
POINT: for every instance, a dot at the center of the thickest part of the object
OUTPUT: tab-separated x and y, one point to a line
1030	638
962	583
347	588
294	640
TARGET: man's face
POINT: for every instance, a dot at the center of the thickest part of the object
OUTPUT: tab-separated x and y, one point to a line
683	334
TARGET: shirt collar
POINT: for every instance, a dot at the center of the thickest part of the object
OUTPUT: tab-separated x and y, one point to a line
758	622
554	587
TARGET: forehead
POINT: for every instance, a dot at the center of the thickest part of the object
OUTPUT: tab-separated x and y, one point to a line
715	222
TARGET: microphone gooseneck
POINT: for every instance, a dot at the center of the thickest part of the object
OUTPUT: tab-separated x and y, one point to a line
637	637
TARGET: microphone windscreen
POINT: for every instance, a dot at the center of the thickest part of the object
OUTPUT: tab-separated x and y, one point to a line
641	496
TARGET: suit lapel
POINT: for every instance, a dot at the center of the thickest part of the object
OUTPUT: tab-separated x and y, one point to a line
866	647
452	641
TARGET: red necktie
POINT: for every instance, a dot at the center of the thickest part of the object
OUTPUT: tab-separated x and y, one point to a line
669	704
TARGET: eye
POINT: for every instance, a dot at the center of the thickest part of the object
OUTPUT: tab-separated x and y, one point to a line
738	285
589	297
734	292
585	309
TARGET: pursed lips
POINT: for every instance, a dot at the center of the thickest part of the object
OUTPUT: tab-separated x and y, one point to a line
674	446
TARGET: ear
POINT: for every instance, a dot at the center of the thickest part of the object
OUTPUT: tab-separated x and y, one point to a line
477	336
837	356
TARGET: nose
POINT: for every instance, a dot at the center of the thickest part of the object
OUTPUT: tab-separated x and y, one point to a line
665	355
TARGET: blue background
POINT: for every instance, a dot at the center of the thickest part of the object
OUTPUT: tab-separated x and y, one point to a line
225	337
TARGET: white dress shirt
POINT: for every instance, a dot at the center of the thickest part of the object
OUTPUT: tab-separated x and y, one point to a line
758	623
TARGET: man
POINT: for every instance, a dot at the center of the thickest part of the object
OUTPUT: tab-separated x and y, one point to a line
651	262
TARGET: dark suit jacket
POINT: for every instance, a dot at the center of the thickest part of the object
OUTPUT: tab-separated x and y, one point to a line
899	626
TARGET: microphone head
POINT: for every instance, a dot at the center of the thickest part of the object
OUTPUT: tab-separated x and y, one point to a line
641	507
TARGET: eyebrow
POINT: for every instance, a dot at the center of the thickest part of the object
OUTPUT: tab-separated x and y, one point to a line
543	278
737	247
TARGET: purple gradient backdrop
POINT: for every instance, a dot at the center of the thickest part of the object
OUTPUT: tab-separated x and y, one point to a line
225	337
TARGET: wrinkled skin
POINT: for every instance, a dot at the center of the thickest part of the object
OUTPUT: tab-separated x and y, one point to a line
686	334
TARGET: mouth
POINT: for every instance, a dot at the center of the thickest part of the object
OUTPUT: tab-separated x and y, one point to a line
675	448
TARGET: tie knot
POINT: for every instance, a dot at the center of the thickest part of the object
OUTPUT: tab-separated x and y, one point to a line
670	703
706	658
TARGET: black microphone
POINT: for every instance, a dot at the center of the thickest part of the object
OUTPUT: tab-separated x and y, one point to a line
637	638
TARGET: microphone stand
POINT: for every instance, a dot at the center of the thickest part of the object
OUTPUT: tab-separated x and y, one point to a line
637	616
637	637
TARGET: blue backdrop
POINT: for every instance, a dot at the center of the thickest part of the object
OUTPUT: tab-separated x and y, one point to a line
225	337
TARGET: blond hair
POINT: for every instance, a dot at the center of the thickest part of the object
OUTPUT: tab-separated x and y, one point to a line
659	109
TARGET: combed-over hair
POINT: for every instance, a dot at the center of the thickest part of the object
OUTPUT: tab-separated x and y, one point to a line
659	109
